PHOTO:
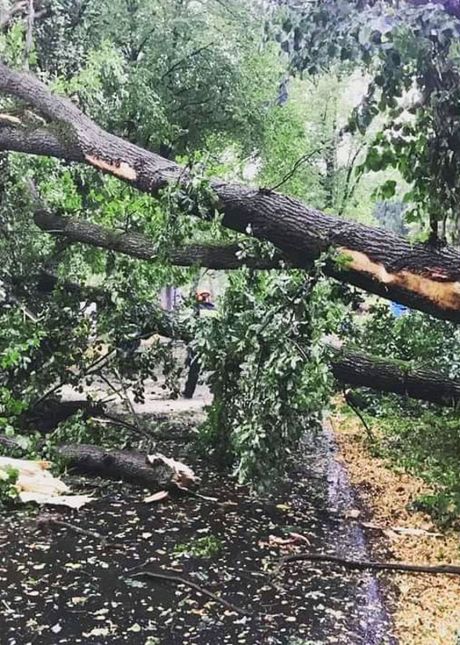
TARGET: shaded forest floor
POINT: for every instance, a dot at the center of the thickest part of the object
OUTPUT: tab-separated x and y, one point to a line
425	609
65	587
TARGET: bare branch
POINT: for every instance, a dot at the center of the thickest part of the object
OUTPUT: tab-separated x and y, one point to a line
140	246
30	31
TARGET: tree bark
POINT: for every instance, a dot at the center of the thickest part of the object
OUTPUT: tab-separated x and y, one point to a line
398	377
416	275
118	464
140	246
50	412
115	464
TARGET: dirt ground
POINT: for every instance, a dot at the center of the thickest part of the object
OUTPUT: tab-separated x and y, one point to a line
425	609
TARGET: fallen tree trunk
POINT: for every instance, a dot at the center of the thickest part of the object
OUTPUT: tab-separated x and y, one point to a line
158	473
118	464
50	412
397	377
225	257
417	275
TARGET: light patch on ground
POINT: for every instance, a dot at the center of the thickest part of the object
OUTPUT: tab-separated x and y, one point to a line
426	608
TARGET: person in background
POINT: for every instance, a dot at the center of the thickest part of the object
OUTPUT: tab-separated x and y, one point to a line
204	300
204	303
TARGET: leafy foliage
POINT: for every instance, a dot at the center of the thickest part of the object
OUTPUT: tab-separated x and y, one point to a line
410	52
195	81
266	368
421	438
412	337
203	547
426	443
161	74
8	479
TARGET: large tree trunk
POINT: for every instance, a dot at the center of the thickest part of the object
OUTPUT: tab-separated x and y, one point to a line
119	464
158	473
399	377
380	262
224	257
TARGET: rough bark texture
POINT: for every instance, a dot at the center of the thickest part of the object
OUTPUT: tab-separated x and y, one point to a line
50	412
117	464
140	246
114	464
380	262
398	377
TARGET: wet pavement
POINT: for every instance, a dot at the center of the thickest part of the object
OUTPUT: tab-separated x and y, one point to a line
64	587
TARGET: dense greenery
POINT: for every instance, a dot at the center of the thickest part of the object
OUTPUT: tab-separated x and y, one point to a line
83	56
268	373
367	128
409	52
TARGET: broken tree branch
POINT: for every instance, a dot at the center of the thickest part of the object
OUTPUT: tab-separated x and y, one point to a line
403	567
29	33
119	464
416	275
399	377
189	583
140	246
352	406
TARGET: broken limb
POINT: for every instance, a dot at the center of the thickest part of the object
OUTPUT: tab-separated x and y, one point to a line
349	401
157	472
225	257
416	275
357	368
178	580
399	567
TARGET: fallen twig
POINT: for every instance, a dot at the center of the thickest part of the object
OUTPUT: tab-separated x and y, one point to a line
355	409
189	583
449	569
46	521
192	493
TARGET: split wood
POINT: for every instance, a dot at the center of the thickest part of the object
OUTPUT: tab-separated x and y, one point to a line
449	569
189	583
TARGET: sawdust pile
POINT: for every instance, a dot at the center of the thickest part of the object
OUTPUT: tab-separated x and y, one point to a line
426	609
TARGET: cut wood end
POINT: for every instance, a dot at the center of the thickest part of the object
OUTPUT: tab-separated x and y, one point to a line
122	169
434	287
9	118
182	475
